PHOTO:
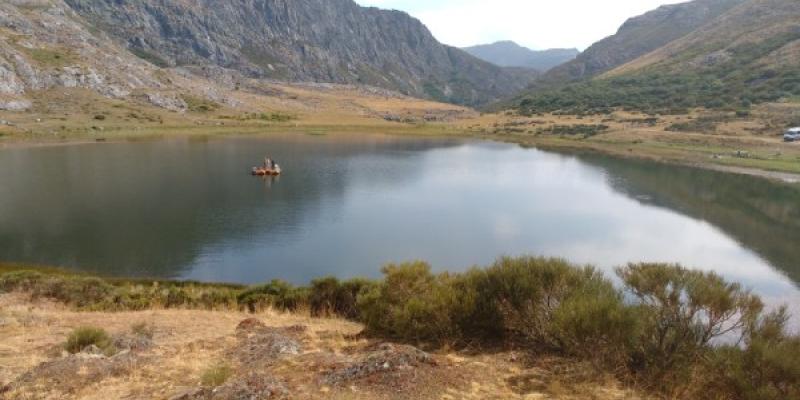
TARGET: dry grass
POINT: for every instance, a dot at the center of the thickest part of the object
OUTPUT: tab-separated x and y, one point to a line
186	343
758	136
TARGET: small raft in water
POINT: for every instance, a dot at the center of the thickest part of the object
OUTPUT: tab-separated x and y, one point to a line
261	171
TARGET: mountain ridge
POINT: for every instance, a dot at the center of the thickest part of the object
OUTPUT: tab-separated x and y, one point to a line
334	41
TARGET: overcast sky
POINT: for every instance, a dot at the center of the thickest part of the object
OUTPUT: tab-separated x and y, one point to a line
538	24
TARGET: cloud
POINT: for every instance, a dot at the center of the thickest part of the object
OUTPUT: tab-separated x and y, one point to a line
538	24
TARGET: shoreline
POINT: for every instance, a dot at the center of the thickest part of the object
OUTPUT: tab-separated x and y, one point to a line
570	146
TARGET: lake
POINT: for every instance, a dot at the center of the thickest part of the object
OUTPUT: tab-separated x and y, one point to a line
348	204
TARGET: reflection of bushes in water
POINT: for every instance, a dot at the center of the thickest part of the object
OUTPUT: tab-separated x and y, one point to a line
660	336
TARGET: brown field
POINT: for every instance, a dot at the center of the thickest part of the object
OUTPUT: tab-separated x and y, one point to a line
329	361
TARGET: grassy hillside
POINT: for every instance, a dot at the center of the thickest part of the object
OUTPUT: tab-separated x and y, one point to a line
639	36
745	56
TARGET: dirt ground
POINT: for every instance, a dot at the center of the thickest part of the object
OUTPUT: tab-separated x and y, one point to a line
269	355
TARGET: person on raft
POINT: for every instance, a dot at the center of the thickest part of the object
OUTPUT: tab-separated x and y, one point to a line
270	164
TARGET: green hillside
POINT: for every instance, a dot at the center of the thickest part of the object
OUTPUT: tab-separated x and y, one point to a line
745	56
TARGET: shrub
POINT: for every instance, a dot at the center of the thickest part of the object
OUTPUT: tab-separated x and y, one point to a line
595	324
276	294
519	296
767	368
216	375
86	336
20	280
584	130
329	296
410	303
681	312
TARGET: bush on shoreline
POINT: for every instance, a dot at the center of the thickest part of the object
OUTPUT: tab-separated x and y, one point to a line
679	333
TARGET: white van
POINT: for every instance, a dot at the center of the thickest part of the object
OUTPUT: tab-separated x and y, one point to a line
791	135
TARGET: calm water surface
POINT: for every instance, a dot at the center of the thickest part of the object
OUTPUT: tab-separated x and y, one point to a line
186	208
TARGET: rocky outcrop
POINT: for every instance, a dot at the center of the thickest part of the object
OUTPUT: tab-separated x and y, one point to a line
302	40
44	45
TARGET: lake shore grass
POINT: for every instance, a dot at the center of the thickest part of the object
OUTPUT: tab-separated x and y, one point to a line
663	332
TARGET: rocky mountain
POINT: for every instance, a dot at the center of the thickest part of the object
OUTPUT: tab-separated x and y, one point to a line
301	40
510	54
705	53
43	45
641	35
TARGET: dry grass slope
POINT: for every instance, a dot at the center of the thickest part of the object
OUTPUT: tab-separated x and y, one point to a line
285	355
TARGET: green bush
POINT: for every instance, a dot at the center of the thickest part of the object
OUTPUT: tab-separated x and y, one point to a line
595	324
410	303
767	368
517	297
681	312
216	375
276	294
20	280
86	336
329	296
584	130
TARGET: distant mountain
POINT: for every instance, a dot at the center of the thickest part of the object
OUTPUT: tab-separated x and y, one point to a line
705	53
334	41
510	54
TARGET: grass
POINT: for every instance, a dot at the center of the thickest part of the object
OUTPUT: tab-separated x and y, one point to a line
656	330
216	374
86	336
50	57
199	105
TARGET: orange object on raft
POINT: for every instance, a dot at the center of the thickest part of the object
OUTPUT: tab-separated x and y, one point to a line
259	171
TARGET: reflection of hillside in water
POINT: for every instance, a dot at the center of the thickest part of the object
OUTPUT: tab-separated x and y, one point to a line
761	215
150	209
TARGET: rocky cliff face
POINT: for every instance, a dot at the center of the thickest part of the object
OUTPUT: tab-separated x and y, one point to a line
301	40
43	45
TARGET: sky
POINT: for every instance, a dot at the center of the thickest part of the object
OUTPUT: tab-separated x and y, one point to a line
537	24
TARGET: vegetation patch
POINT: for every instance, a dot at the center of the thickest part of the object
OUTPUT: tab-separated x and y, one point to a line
83	337
705	124
149	57
50	57
216	375
737	83
583	130
677	332
264	116
198	104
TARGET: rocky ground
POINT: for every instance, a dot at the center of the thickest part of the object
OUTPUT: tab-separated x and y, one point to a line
170	355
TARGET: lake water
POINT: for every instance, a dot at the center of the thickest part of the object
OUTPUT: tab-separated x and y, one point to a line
187	208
